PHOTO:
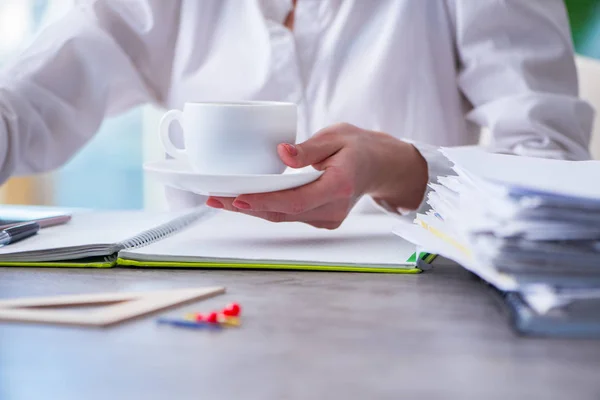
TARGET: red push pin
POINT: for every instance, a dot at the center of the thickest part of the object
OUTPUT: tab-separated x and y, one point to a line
232	310
212	318
199	317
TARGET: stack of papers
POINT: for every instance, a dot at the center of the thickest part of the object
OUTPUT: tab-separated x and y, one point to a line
525	225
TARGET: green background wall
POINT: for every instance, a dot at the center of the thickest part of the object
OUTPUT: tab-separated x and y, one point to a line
584	16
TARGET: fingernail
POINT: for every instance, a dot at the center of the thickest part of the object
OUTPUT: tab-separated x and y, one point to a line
214	203
291	149
241	205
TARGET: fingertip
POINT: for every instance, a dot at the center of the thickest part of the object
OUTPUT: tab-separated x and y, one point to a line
288	153
214	203
248	202
282	151
291	149
242	205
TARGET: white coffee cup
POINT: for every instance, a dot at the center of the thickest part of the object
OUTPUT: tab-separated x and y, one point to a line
232	138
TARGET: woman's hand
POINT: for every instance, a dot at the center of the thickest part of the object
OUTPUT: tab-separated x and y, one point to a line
356	162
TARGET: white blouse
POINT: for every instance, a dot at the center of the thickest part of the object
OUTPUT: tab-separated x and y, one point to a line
432	72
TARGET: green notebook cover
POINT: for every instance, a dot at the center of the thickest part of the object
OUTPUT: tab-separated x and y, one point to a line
206	239
425	257
110	263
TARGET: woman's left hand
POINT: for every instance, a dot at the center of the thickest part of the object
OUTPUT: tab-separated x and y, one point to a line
356	162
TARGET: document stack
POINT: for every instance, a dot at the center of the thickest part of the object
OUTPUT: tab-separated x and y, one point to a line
530	227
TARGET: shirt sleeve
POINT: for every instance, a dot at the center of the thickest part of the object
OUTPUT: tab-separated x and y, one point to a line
517	68
102	58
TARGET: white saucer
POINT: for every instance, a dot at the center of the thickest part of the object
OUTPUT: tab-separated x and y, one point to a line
179	175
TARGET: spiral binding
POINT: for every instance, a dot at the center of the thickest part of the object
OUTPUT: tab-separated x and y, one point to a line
110	259
167	229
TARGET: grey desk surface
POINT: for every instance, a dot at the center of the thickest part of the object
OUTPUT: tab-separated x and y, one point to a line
305	336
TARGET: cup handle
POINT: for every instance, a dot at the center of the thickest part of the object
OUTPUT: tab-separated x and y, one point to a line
165	124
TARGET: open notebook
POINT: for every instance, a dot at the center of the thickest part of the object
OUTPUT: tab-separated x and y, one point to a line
212	239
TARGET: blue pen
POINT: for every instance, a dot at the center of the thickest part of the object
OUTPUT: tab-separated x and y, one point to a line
188	324
18	232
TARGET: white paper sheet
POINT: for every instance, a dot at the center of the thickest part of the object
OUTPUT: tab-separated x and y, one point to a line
433	244
557	177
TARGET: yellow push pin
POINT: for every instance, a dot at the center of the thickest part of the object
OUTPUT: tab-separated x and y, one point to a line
229	321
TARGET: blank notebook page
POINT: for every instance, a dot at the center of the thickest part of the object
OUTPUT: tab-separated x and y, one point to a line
362	239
